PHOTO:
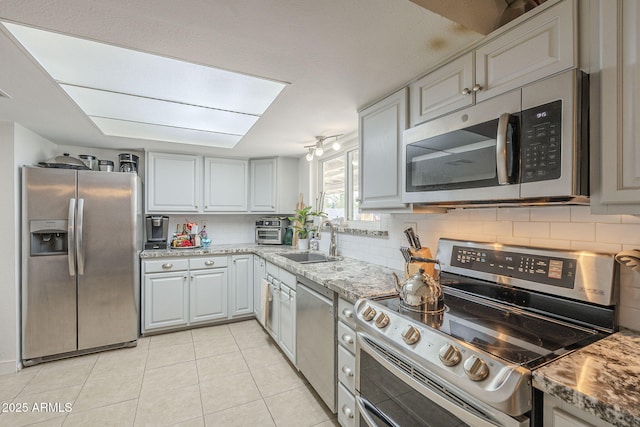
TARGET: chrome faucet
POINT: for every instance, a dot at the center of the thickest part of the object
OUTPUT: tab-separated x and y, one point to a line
333	246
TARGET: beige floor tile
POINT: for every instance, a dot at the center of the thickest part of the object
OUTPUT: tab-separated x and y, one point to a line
244	327
253	414
170	339
107	390
194	422
170	407
143	343
297	408
170	355
169	377
116	415
59	375
223	365
49	405
126	363
276	378
253	339
214	347
209	333
53	422
12	384
267	354
333	422
227	392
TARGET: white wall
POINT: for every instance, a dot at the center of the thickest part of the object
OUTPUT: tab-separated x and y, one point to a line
19	146
221	229
554	227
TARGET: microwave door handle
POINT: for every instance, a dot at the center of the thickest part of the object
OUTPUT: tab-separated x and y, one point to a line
501	149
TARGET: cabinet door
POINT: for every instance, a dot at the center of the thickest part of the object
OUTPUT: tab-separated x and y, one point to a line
380	133
259	272
263	185
208	295
619	160
173	182
241	288
166	301
225	185
543	45
446	89
287	337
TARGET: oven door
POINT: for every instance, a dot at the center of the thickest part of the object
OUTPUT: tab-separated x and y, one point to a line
468	156
391	391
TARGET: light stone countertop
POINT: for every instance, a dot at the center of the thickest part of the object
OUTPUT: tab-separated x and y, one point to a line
349	278
602	378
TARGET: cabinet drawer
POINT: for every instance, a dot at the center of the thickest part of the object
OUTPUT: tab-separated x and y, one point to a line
347	337
164	265
208	262
287	278
346	407
273	269
347	369
346	313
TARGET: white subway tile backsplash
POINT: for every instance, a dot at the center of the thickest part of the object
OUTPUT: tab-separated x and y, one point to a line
522	241
531	229
498	228
513	214
630	219
486	214
584	231
550	243
605	248
550	214
583	214
630	318
618	233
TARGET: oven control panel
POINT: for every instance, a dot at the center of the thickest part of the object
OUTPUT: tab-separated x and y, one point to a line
555	271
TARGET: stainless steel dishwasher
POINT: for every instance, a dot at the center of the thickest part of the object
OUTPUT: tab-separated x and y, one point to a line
316	338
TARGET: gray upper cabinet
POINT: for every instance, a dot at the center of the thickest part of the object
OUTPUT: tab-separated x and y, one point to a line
273	184
540	45
174	182
616	144
225	185
380	138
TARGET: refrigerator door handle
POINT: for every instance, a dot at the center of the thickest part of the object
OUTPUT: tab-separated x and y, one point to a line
80	237
71	232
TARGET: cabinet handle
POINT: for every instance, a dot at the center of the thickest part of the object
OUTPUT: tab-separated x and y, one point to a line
466	91
209	262
347	411
196	206
191	277
347	338
476	88
347	313
348	372
167	266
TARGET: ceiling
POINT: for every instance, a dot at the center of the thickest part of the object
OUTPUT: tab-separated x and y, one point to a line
337	55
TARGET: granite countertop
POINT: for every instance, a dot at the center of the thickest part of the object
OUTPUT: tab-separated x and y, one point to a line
601	379
349	278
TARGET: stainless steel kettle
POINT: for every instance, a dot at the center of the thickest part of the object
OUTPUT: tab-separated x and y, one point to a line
421	293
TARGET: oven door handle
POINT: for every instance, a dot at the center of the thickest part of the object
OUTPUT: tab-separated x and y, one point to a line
365	407
501	149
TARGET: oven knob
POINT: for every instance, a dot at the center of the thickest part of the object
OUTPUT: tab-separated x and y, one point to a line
382	320
450	355
476	368
369	313
411	335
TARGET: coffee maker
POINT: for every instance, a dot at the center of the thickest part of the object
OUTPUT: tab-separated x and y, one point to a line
157	232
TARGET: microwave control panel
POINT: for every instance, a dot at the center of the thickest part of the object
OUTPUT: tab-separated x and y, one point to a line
541	142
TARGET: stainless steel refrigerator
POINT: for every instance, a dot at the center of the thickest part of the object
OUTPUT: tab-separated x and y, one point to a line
80	269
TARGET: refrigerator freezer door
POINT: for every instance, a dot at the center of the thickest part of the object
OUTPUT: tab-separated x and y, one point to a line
107	308
48	291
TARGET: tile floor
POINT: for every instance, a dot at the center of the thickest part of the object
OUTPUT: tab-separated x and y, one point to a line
227	375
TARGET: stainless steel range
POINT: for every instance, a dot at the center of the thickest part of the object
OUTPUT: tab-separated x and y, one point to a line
508	310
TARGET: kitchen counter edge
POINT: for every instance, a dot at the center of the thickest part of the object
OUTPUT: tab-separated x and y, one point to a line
350	278
601	378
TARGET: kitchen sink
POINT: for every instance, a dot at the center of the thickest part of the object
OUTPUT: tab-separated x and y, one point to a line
308	257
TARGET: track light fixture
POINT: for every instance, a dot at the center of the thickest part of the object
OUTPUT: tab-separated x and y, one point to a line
317	149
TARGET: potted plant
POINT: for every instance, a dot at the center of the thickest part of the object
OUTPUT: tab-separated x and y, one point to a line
302	224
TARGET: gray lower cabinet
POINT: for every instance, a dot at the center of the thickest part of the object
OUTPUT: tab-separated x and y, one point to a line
241	286
346	364
180	292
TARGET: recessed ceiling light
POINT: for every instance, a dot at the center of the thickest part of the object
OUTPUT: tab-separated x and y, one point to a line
139	95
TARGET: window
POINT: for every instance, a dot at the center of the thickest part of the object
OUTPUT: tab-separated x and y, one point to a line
339	181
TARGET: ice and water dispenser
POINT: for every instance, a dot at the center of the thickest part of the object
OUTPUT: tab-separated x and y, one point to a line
48	237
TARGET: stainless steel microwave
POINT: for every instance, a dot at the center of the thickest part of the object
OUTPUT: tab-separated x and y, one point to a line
527	146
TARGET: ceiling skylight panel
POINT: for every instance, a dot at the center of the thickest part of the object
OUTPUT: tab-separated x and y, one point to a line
98	103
